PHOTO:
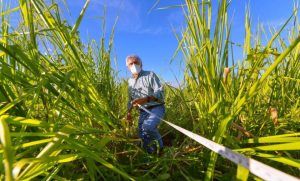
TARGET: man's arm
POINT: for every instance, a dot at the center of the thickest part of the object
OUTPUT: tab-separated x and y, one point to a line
157	95
158	91
141	101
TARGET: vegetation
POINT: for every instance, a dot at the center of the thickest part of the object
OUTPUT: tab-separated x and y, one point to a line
62	106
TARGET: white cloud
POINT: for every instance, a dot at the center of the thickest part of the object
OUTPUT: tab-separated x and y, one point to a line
151	30
176	17
275	23
129	14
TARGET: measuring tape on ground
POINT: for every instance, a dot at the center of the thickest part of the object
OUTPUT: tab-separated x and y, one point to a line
257	168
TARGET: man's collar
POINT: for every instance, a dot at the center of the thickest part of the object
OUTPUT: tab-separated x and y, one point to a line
139	74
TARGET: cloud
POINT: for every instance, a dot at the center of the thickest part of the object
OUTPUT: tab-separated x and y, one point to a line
176	17
150	30
274	23
176	20
129	14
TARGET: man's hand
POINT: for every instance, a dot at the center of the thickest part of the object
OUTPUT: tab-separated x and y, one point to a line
129	116
140	101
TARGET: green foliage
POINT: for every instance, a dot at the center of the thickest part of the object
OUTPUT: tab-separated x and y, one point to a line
54	86
252	93
62	106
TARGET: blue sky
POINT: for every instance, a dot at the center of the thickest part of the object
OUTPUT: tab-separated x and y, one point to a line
150	33
138	31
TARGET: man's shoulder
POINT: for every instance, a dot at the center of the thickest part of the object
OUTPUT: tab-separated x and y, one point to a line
147	73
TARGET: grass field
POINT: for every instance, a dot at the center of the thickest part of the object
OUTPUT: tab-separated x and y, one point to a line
62	106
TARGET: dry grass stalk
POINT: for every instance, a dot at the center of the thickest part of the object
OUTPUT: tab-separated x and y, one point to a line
274	115
242	130
226	72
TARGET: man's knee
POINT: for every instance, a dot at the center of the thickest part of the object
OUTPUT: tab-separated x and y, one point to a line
148	128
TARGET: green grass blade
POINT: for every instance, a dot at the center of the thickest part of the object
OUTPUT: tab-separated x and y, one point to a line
8	155
75	28
9	11
242	173
288	161
272	140
284	146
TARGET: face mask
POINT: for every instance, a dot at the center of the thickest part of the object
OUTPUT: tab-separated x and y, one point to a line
135	69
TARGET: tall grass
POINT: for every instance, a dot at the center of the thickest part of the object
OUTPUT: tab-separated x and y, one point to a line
62	105
245	95
58	97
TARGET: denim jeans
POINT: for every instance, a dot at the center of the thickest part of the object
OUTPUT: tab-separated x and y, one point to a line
147	128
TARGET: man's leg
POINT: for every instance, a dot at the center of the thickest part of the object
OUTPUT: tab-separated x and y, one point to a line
143	116
149	129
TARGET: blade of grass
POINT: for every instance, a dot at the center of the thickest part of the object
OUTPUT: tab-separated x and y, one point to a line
8	155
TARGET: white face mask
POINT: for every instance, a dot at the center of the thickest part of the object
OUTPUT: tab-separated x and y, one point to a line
135	69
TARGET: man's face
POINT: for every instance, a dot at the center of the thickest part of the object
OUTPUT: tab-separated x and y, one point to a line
132	61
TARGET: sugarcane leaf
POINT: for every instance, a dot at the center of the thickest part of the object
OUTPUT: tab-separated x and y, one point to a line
8	153
242	173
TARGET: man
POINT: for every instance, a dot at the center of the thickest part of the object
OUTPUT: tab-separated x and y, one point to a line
145	89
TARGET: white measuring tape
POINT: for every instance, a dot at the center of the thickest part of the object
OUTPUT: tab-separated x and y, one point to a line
257	168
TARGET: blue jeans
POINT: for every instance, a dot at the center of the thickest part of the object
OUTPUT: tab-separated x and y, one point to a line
147	128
